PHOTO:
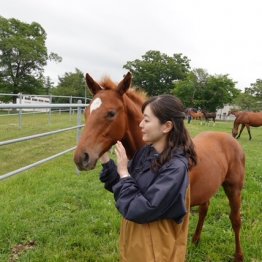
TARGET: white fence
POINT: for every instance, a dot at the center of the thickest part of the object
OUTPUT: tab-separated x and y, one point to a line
35	99
79	107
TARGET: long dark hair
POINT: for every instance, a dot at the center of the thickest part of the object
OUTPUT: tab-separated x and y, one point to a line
170	108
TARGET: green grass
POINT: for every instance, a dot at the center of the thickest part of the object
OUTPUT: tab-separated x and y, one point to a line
72	218
28	152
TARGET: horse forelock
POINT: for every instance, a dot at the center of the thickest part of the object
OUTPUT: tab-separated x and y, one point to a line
137	96
107	83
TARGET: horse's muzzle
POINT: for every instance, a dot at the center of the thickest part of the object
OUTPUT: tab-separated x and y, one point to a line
84	161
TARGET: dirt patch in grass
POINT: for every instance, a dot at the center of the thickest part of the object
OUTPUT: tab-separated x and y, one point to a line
19	249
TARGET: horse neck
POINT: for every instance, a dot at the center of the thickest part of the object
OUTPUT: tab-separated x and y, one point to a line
236	124
132	140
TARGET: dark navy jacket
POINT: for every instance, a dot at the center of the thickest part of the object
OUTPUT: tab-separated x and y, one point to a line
147	196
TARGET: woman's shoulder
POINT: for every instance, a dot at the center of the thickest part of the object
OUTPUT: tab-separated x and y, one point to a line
177	160
145	151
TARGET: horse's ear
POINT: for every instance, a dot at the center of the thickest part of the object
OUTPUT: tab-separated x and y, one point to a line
124	84
92	84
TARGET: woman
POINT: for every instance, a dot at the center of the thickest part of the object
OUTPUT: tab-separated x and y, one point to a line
152	190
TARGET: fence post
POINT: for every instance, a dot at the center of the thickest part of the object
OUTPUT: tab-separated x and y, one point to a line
70	110
49	113
78	131
20	111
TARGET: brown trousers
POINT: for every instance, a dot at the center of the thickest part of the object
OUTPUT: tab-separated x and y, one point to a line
159	241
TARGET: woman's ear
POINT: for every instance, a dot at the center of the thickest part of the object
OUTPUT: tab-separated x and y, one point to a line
167	127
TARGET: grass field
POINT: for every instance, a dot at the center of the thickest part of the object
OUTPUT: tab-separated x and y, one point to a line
51	214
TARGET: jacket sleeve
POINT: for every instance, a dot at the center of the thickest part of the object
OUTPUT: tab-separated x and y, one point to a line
109	175
164	198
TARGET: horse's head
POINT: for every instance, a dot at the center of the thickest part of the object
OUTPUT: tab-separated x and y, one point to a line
234	131
105	122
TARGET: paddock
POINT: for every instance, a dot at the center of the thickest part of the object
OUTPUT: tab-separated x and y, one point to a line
78	127
72	217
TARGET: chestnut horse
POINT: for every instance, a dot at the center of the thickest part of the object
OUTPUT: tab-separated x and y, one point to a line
234	112
246	119
115	113
196	115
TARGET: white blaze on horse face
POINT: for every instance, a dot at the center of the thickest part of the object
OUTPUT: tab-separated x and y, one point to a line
95	104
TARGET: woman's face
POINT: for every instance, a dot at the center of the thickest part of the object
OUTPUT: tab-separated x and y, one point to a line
152	130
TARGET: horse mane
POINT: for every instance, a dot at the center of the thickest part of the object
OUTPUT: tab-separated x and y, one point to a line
236	123
136	95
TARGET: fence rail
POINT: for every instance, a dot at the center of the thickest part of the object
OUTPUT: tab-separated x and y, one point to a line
21	139
78	127
20	106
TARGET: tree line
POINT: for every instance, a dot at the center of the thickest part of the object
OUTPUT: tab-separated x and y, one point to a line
23	56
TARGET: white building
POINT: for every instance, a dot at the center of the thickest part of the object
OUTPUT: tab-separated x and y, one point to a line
28	99
222	113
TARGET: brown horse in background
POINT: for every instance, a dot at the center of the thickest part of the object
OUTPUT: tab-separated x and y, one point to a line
115	113
196	115
234	112
209	115
246	119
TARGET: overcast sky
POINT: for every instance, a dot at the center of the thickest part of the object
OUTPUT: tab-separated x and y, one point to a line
100	36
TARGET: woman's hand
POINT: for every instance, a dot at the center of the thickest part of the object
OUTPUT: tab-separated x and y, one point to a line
121	160
105	158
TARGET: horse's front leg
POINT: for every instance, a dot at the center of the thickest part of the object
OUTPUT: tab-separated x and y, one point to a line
248	130
201	218
241	129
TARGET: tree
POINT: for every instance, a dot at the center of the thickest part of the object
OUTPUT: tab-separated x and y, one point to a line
255	89
48	85
204	91
244	101
220	90
23	55
185	90
251	99
189	89
156	72
71	84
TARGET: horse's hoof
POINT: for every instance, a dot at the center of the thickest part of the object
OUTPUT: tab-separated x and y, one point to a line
239	258
195	240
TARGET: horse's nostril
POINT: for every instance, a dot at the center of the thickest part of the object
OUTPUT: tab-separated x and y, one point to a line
86	157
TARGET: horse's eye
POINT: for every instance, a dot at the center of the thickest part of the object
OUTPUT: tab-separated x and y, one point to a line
111	114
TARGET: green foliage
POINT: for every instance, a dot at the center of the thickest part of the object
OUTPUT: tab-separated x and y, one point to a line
204	91
71	84
251	99
220	90
48	85
244	101
187	90
156	72
255	89
23	55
